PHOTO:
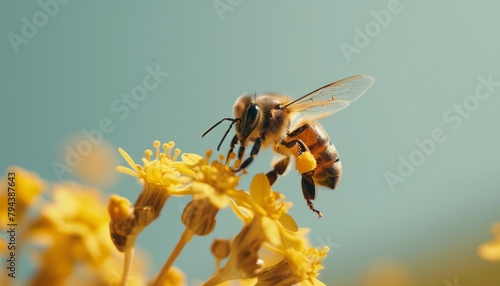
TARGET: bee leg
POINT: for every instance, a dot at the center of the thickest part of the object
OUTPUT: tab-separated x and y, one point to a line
308	187
253	153
309	192
301	147
231	149
278	169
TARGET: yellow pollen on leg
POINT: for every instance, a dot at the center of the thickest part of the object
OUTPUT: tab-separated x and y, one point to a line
305	162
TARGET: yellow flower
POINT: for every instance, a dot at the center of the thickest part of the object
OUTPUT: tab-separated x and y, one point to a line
214	180
279	227
22	190
314	257
163	170
270	203
75	227
298	267
267	227
212	185
491	250
162	176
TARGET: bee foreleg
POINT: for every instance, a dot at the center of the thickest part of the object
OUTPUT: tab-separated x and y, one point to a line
278	169
309	192
231	149
253	153
241	152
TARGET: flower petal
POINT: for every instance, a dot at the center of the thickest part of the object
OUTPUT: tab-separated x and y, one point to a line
260	188
272	231
153	175
202	188
127	158
288	222
191	158
127	171
182	168
219	200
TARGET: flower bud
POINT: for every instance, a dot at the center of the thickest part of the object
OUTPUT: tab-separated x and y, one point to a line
220	248
199	216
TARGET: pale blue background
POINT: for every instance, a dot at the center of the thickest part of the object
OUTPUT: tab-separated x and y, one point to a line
427	59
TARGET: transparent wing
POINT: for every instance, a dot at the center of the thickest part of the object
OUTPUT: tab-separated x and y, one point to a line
331	98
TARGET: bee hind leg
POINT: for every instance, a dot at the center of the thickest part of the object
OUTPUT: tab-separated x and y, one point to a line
309	192
278	169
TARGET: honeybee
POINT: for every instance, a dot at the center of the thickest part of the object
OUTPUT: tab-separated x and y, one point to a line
291	128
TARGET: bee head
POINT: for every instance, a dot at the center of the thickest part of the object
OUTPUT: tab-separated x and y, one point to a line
246	118
248	112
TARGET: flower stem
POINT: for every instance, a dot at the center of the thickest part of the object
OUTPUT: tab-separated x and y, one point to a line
184	239
129	255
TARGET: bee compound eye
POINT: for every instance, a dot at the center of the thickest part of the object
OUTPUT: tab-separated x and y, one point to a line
252	115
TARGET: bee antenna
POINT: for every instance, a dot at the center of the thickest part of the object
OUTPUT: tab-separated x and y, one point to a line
227	131
215	125
233	120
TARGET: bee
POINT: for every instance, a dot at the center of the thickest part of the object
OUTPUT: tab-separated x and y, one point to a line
291	128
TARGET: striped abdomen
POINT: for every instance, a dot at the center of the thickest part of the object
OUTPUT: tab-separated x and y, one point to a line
328	167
